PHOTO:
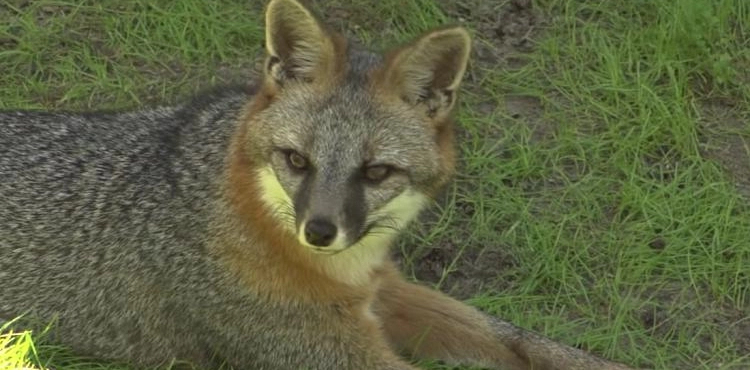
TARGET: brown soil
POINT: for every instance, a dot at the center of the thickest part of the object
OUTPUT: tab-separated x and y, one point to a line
726	138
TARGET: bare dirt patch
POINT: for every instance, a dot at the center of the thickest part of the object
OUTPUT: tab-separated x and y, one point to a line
503	29
673	305
464	273
726	138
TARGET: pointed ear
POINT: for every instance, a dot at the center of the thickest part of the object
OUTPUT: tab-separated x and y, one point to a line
428	71
298	46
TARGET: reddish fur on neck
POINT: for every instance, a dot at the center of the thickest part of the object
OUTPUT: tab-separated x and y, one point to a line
289	270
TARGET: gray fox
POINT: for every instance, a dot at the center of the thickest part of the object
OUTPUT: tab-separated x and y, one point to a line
251	226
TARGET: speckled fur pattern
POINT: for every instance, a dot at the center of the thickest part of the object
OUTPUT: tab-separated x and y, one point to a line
103	222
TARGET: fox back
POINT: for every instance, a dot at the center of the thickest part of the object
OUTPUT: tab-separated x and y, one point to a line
104	216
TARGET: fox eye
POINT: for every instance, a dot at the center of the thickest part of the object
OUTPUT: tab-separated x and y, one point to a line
296	160
377	173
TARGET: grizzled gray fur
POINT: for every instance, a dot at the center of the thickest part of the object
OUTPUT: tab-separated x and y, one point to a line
102	223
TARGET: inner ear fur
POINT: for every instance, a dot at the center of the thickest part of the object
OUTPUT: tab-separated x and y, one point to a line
428	71
298	45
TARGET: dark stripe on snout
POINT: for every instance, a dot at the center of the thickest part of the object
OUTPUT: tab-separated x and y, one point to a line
302	198
329	199
355	209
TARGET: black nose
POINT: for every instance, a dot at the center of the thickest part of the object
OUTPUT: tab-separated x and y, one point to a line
320	233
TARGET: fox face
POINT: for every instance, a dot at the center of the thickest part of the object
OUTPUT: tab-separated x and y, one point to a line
346	166
348	146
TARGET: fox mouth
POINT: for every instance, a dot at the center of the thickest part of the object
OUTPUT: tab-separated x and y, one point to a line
327	251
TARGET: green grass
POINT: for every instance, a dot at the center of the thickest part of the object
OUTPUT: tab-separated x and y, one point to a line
88	54
16	349
588	200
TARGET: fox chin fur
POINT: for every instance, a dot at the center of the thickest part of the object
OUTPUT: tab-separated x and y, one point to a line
251	226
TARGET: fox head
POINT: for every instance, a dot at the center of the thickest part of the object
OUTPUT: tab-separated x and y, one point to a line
348	146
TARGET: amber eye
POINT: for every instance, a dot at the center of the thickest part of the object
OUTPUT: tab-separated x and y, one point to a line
296	160
377	173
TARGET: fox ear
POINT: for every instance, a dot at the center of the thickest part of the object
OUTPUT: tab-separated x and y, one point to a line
428	71
298	46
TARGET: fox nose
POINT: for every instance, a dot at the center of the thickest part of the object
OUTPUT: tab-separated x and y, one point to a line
320	233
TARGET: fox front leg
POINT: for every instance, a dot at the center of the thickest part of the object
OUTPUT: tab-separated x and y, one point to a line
429	324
